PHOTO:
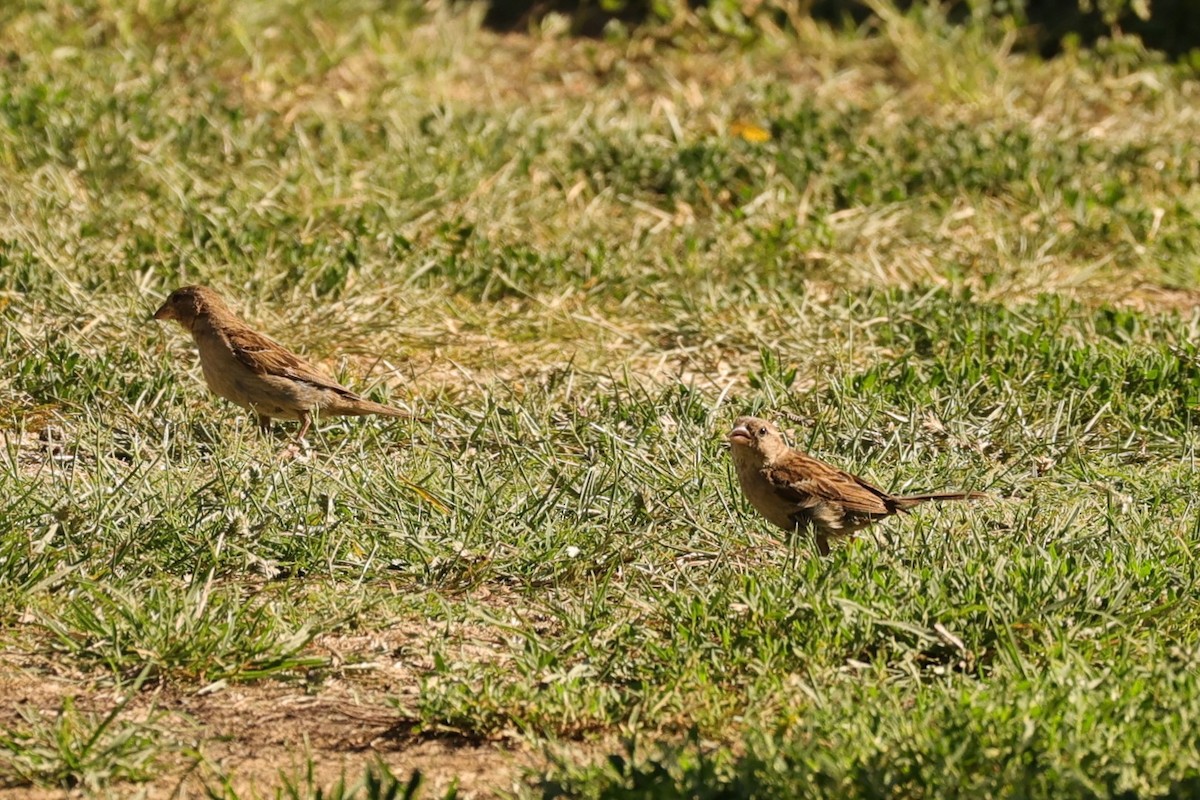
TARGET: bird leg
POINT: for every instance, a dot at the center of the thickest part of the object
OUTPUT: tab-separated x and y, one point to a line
808	530
305	424
298	448
264	423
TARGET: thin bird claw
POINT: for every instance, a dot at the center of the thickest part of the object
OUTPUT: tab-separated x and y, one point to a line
295	450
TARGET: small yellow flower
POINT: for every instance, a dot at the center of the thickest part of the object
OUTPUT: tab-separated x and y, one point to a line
750	132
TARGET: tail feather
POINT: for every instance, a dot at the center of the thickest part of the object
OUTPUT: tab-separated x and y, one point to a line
921	498
908	501
385	411
360	406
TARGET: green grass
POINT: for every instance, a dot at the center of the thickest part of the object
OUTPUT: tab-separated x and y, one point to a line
81	750
942	266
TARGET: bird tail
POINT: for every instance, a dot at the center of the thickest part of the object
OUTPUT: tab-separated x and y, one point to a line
362	406
911	500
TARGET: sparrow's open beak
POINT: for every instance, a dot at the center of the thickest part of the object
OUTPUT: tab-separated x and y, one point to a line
740	435
165	312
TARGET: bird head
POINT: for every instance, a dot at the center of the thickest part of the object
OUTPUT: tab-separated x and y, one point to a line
188	303
754	437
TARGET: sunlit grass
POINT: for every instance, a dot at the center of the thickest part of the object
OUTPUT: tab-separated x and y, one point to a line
575	264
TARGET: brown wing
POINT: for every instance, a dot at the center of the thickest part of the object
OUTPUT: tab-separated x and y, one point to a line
807	482
265	356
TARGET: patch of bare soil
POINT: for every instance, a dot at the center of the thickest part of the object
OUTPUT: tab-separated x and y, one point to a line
261	735
256	737
37	446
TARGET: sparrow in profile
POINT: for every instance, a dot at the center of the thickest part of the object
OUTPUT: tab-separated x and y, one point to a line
256	372
797	492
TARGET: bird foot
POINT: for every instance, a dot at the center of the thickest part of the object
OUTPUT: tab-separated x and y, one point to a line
295	450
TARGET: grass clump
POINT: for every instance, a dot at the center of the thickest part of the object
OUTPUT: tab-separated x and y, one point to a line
1063	731
78	750
202	634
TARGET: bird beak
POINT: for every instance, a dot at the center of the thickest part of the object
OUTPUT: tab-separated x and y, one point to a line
740	435
165	312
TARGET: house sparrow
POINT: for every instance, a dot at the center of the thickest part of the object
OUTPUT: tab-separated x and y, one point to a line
796	491
256	372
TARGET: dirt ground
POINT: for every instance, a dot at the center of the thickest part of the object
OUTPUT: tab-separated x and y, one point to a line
258	735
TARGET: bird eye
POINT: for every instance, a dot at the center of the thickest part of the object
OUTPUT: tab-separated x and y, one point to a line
762	431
